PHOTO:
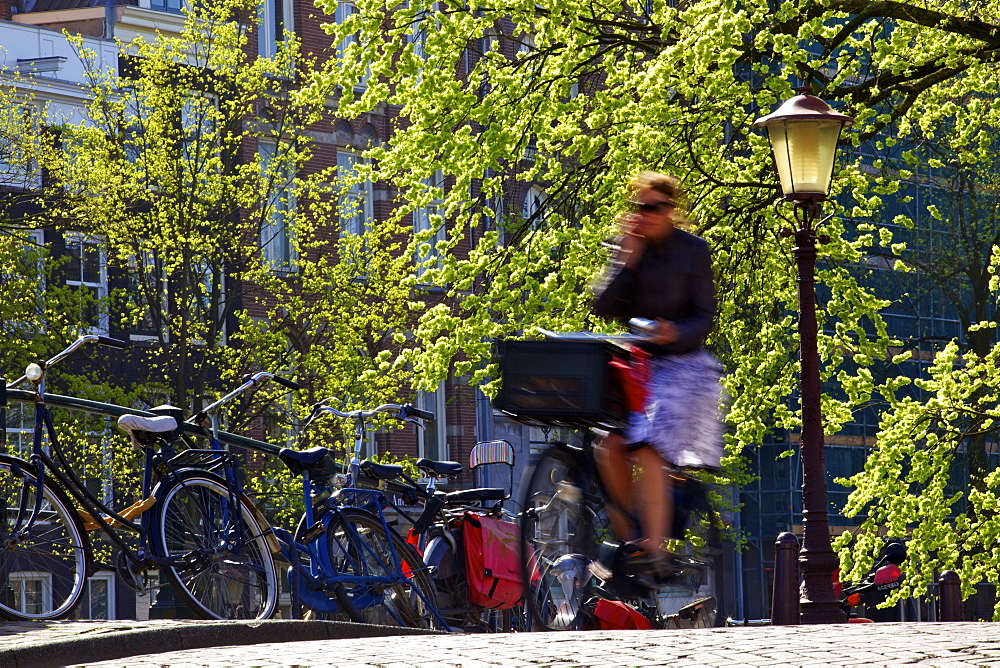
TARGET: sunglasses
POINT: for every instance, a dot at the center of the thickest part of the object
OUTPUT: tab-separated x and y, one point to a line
650	207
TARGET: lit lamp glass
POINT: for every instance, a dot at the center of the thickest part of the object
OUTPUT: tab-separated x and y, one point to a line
33	372
804	132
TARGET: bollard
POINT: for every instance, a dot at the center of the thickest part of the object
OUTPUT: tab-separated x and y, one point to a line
950	598
785	597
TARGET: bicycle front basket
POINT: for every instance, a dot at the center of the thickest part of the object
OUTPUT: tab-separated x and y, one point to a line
561	382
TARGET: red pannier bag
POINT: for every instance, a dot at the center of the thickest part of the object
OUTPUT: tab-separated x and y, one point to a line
492	567
620	616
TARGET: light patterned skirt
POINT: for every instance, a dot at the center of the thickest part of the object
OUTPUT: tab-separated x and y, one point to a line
680	418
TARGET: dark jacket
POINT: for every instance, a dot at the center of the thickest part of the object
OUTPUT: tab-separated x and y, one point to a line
673	281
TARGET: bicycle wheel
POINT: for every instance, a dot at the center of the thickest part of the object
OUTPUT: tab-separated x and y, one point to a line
692	599
43	564
358	548
562	526
226	570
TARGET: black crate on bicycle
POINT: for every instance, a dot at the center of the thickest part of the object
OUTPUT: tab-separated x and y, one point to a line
561	382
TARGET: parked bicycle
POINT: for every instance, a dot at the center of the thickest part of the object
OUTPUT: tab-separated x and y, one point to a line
469	542
346	560
190	523
572	561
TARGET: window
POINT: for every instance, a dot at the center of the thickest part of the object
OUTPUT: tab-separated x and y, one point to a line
147	291
22	271
173	6
98	601
275	26
87	271
17	166
276	229
432	441
32	591
20	423
428	227
356	205
199	116
345	9
206	289
533	201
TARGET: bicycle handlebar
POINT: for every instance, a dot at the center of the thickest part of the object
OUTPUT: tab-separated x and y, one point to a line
248	381
114	343
412	411
68	350
290	384
401	411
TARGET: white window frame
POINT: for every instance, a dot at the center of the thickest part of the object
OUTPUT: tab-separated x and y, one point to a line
29	176
33	242
433	401
100	287
163	6
221	305
146	263
268	36
20	436
276	231
87	599
21	578
424	219
533	201
344	10
362	217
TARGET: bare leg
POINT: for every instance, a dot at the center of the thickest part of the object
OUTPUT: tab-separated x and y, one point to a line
616	472
657	509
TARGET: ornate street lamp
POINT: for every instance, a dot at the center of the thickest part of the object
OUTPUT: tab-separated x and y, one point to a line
804	132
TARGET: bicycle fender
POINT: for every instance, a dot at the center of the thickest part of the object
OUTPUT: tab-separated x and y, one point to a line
440	557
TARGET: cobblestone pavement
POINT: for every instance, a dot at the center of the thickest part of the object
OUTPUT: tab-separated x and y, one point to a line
43	644
284	644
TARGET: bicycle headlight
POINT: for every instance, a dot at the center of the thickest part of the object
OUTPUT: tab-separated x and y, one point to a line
33	372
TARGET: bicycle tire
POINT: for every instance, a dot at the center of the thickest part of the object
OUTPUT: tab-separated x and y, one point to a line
694	599
192	517
358	546
42	569
559	539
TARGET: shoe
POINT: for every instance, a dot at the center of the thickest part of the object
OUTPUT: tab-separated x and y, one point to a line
651	568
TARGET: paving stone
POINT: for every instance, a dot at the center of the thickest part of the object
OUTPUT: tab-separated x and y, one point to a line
197	643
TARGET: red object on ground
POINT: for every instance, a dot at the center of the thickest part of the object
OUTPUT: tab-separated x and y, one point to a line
620	616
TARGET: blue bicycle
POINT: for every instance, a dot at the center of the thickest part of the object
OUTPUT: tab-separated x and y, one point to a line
346	560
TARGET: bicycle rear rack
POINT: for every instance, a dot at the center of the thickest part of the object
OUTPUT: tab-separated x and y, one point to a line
209	460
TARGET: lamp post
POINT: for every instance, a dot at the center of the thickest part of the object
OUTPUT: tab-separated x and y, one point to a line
804	132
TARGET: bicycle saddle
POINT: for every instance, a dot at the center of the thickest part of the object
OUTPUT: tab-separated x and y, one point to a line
437	469
381	471
158	425
298	461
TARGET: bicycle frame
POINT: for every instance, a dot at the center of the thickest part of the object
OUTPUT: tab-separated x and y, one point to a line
349	496
67	480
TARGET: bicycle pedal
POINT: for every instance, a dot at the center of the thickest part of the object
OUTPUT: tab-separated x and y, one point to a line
315	532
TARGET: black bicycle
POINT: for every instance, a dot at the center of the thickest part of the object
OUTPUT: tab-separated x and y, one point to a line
441	534
570	556
572	559
191	521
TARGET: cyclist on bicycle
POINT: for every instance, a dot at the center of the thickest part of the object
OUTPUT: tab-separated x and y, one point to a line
661	273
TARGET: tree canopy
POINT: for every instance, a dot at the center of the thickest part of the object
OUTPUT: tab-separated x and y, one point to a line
574	97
